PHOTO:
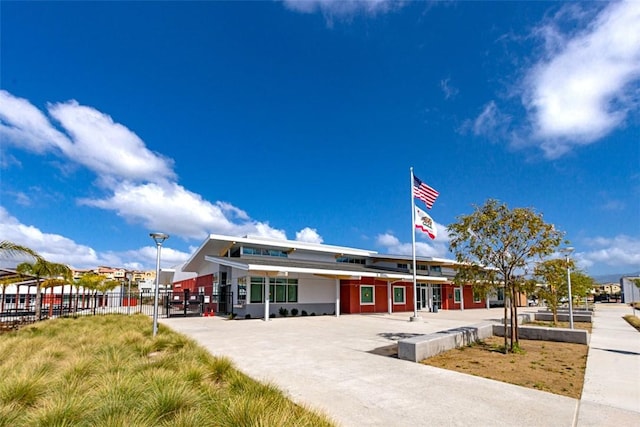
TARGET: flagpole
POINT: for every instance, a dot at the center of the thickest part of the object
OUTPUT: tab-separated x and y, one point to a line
413	250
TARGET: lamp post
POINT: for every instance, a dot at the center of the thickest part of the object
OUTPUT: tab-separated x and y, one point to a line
128	276
159	238
567	252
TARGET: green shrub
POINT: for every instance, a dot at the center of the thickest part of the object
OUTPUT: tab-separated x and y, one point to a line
294	312
304	313
283	312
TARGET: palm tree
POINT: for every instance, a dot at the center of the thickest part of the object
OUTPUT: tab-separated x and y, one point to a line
13	249
44	270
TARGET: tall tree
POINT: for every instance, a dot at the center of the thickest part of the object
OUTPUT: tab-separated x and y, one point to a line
503	241
44	270
552	276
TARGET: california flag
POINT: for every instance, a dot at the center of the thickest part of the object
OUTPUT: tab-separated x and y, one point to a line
425	223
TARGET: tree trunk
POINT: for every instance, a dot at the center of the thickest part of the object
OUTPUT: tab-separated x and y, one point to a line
51	301
504	298
515	316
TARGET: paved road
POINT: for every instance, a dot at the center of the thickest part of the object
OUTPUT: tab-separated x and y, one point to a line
327	363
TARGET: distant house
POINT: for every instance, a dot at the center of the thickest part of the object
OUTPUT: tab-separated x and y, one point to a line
257	277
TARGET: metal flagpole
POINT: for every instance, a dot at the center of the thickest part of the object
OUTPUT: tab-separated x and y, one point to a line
413	250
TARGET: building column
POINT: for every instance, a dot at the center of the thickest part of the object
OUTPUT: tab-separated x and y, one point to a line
337	297
266	299
389	298
461	298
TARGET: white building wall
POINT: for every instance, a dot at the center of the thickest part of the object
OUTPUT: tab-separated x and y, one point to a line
311	256
313	289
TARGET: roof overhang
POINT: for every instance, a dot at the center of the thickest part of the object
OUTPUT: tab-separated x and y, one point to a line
328	271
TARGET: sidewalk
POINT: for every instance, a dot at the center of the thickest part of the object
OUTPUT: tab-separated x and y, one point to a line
611	392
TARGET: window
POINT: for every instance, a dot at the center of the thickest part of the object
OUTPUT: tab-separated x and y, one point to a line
242	290
366	294
280	290
456	295
216	288
349	260
248	250
256	290
398	295
435	269
283	290
477	297
403	266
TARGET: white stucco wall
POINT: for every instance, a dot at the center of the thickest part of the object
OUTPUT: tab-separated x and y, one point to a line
313	289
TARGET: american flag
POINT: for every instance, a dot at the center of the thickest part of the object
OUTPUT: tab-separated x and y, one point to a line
423	192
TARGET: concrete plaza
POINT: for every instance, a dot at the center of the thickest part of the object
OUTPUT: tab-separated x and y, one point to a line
330	364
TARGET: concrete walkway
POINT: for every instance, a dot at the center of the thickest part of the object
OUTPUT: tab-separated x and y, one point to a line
329	364
611	392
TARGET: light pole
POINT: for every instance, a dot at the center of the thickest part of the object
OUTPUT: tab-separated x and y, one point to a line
567	252
159	238
128	275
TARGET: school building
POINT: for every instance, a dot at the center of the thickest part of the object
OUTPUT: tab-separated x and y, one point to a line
260	278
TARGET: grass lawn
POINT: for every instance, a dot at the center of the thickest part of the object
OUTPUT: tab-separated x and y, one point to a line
110	371
544	365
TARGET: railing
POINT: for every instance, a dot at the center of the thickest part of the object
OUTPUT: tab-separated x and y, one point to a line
14	312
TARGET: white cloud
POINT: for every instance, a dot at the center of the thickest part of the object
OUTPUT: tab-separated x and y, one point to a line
57	248
491	122
93	139
309	235
448	90
169	206
108	148
621	251
141	181
25	126
343	8
424	246
583	88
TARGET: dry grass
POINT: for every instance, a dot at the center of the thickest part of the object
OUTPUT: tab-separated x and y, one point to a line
633	321
550	366
110	371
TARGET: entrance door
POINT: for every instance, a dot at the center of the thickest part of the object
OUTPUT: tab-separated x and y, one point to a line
437	299
423	298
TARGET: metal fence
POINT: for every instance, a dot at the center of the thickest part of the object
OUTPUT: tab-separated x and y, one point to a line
16	310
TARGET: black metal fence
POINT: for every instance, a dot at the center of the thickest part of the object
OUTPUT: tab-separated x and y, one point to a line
16	310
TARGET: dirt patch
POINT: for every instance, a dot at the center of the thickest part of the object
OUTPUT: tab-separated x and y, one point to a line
543	365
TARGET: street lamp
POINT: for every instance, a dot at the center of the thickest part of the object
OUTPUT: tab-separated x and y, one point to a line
159	238
128	275
567	252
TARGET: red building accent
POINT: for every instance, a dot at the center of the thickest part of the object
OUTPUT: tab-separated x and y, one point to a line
350	296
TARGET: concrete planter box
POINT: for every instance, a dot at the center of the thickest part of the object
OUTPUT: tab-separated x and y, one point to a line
564	317
578	336
421	347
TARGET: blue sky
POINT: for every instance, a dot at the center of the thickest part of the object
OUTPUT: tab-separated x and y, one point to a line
302	119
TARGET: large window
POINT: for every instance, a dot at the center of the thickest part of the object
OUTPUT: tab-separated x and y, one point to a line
366	294
280	290
477	296
399	295
283	290
256	292
350	260
216	288
457	297
248	250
